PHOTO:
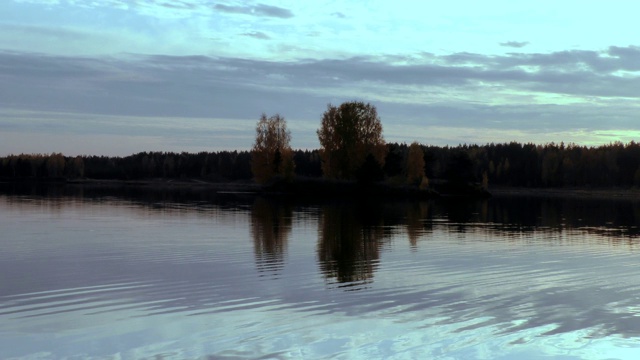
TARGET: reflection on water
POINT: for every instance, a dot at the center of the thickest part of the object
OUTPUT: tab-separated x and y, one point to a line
349	237
161	274
416	222
270	229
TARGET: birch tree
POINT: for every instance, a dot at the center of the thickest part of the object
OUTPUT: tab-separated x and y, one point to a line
271	154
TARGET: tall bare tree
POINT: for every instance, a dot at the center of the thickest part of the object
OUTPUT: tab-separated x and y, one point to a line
272	154
348	134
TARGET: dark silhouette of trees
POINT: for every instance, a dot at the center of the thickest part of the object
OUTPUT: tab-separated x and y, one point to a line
76	167
348	134
220	166
370	171
459	168
55	165
507	164
394	161
271	154
308	163
415	164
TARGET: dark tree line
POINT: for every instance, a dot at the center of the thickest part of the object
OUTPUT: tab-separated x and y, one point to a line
214	166
507	164
558	165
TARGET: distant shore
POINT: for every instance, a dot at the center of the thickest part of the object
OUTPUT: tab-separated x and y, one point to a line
300	187
246	186
156	183
590	193
162	183
251	187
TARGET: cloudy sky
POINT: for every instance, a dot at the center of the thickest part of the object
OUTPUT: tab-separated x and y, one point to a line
114	77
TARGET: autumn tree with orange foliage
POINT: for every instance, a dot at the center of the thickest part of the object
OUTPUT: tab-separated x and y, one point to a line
271	154
415	164
348	135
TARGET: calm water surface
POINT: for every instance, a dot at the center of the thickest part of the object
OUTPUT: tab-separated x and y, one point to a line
193	276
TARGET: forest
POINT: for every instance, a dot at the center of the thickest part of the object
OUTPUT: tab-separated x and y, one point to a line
506	164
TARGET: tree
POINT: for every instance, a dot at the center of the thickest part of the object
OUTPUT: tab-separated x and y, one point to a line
460	168
76	167
348	134
370	171
415	164
55	165
168	166
271	154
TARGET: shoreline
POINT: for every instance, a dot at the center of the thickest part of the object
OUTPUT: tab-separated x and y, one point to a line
247	187
156	183
308	188
576	193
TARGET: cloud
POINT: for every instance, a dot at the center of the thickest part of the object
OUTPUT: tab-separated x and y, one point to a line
258	10
257	35
123	4
571	73
514	44
178	5
562	93
339	15
49	33
66	40
273	11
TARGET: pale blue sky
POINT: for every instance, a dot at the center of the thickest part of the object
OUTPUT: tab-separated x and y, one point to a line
115	77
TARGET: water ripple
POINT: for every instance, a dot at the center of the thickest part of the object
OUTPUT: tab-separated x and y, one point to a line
118	280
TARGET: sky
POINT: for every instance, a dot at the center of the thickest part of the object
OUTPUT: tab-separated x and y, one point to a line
116	77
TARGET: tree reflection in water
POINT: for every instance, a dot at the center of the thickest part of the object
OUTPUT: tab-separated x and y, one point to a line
352	234
270	230
416	222
350	237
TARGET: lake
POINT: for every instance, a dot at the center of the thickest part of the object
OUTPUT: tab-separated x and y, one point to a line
170	275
